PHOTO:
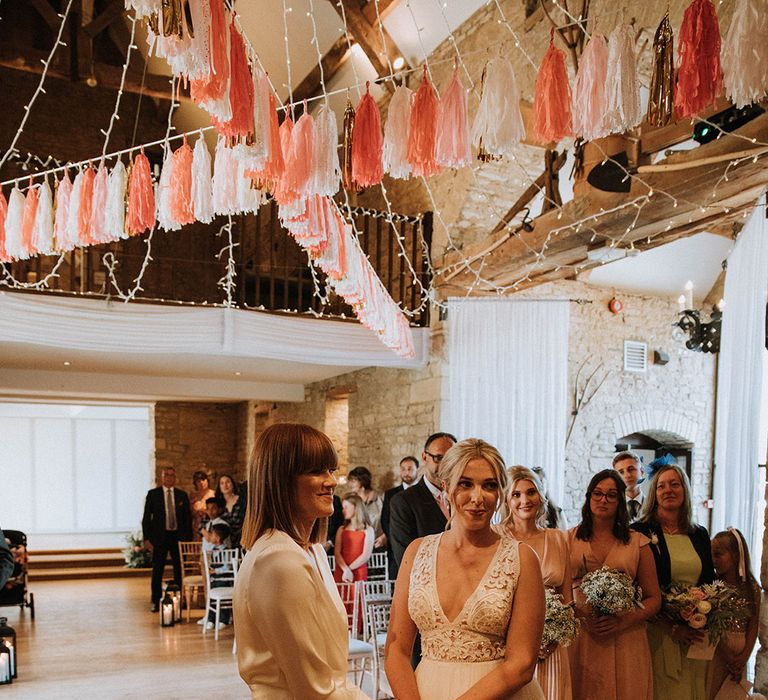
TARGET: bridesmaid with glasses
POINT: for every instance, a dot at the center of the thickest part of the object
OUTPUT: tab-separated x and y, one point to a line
610	658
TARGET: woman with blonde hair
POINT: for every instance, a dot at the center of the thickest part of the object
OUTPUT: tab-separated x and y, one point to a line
354	541
526	522
476	598
290	623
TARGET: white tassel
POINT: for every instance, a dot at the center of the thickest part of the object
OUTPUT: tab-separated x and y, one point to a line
395	150
163	197
744	53
72	235
99	211
201	182
326	173
224	179
115	209
498	125
42	234
623	88
248	199
261	115
13	221
63	195
143	8
589	92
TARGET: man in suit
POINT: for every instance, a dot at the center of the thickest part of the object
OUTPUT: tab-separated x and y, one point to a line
167	521
628	465
423	509
409	470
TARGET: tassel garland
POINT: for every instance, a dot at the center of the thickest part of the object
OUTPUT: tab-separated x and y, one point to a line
140	215
115	207
367	168
623	96
348	127
498	125
661	97
452	142
552	100
42	234
325	157
395	147
700	78
181	185
423	126
589	94
202	193
745	53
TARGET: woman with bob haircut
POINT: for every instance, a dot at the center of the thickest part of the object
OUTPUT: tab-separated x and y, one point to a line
683	555
610	657
290	623
526	521
475	597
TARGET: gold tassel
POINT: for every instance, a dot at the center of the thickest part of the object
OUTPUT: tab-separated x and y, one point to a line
661	98
173	18
346	150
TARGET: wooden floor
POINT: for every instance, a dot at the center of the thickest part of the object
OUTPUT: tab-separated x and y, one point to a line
97	639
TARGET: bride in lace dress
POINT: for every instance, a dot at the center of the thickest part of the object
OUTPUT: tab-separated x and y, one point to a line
476	599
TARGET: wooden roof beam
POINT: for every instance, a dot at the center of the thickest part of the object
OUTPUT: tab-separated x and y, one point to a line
331	62
373	14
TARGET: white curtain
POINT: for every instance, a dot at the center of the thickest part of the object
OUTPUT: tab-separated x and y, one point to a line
739	384
507	379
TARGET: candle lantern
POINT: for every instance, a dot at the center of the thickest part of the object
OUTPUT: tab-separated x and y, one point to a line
6	676
166	611
8	638
172	589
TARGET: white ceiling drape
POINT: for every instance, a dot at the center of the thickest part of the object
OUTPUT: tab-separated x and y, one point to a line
507	379
739	381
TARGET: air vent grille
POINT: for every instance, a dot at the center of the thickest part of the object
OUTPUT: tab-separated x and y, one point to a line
635	356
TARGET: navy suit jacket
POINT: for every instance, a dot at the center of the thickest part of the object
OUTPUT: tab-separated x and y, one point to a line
414	513
153	522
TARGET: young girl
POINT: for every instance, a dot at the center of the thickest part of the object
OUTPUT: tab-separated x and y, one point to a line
726	672
354	541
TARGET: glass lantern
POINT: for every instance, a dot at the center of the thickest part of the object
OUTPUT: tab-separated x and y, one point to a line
166	611
6	676
8	638
172	589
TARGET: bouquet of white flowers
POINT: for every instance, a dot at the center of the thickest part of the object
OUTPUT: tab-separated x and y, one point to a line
560	623
610	592
136	555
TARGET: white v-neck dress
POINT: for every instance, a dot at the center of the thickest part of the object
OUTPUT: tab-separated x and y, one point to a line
457	654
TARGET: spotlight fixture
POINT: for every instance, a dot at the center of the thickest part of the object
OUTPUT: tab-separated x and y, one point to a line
398	63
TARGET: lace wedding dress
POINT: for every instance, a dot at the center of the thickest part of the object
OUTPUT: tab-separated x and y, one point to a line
456	654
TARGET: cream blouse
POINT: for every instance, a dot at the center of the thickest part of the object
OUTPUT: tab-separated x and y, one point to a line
290	624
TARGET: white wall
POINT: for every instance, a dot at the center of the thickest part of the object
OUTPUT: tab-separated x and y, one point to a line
73	475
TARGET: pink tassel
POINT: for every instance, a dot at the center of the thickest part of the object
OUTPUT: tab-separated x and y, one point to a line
275	165
213	89
552	101
452	148
421	139
700	78
282	192
181	185
395	150
140	216
28	220
63	192
261	116
99	206
367	142
590	103
85	212
240	90
3	213
298	163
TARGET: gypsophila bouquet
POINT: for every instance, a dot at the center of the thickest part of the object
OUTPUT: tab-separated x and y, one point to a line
610	592
560	623
712	607
136	555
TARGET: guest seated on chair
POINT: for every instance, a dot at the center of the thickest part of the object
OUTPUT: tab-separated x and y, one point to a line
221	576
214	509
234	506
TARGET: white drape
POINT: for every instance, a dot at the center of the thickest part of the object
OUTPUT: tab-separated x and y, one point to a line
507	379
90	324
739	383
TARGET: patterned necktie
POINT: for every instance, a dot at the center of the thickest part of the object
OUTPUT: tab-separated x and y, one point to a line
634	509
170	511
442	501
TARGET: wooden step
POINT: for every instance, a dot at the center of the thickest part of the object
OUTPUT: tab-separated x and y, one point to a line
73	560
86	572
93	550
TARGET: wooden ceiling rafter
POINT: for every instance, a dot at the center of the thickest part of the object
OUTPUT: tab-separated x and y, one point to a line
373	13
311	86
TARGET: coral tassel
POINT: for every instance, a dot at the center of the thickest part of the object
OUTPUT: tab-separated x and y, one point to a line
140	216
421	139
275	165
85	208
700	78
745	53
181	185
240	89
298	162
367	141
13	224
61	220
452	142
282	192
552	101
3	214
395	148
212	93
42	234
589	94
28	221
